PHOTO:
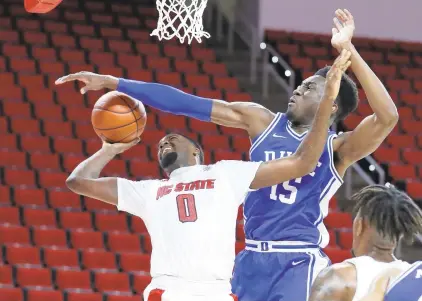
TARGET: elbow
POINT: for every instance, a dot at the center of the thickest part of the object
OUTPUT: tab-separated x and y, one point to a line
73	183
394	118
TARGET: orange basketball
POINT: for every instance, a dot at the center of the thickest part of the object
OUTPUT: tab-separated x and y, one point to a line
117	117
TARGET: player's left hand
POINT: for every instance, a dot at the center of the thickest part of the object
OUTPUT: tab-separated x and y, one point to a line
344	27
118	148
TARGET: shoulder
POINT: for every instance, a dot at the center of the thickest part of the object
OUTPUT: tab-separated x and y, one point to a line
337	282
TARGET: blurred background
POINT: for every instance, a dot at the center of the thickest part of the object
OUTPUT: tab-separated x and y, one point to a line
56	245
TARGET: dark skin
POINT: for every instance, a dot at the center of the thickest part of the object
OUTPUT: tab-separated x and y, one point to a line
349	147
338	282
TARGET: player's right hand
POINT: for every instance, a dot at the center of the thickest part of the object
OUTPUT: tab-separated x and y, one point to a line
118	148
333	79
92	81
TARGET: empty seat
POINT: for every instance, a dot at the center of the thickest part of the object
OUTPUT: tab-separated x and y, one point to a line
12	159
215	68
9	293
22	65
120	46
186	66
31	81
81	295
10	215
388	155
33	277
129	61
43	99
25	126
35	143
85	239
78	114
336	220
148	49
139	151
53	68
402	172
96	205
111	222
19	177
61	258
92	146
179	52
144	169
215	142
85	131
76	220
240	232
138	225
14	234
49	237
227	155
5	198
112	282
198	81
140	282
115	168
71	279
63	41
203	54
346	239
239	246
227	83
39	217
45	161
412	156
68	145
123	242
237	96
6	275
17	109
241	143
96	259
43	53
169	78
72	56
57	128
202	126
64	199
173	122
8	142
146	243
134	262
122	298
23	255
52	179
30	197
42	295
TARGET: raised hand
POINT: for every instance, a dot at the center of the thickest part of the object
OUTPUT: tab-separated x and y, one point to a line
118	148
344	27
92	81
333	79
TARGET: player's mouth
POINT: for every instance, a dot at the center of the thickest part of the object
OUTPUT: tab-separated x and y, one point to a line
292	101
166	150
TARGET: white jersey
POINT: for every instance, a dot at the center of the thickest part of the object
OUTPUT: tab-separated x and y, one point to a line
367	269
191	218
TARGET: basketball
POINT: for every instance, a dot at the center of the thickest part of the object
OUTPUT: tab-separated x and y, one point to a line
118	118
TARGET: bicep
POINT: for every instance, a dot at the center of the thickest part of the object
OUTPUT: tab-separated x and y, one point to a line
103	189
328	286
362	141
248	116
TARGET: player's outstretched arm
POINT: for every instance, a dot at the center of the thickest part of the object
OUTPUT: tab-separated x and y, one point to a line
85	178
371	132
333	284
305	159
251	117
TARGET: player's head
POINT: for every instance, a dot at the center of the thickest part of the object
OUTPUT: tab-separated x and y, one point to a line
382	216
176	150
305	100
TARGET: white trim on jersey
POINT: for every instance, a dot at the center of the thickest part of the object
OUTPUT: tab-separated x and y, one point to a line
403	275
331	156
310	275
265	133
293	133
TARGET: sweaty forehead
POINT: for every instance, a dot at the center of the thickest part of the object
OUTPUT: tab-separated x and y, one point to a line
180	138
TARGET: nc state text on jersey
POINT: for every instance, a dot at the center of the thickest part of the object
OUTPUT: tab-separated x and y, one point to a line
179	187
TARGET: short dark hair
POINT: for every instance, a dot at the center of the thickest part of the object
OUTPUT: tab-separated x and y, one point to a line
348	97
390	211
195	143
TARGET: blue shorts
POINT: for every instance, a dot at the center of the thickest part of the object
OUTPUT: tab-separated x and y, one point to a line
273	271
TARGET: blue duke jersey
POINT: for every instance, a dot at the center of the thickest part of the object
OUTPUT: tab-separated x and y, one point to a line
408	286
293	210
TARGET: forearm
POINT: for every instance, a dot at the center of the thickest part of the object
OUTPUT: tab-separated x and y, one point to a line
91	167
378	97
310	149
167	99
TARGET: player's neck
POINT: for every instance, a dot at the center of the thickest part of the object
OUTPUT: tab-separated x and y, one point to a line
300	128
381	254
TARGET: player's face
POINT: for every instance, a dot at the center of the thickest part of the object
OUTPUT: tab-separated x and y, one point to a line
305	100
175	151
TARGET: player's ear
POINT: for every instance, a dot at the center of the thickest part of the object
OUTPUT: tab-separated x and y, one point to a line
334	109
197	155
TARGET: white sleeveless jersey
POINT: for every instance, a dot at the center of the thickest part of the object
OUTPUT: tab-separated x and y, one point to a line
367	269
191	218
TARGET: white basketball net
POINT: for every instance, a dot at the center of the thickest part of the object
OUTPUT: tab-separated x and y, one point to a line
176	18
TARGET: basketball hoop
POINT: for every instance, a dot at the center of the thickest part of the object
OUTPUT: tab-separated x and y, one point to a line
177	18
40	6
